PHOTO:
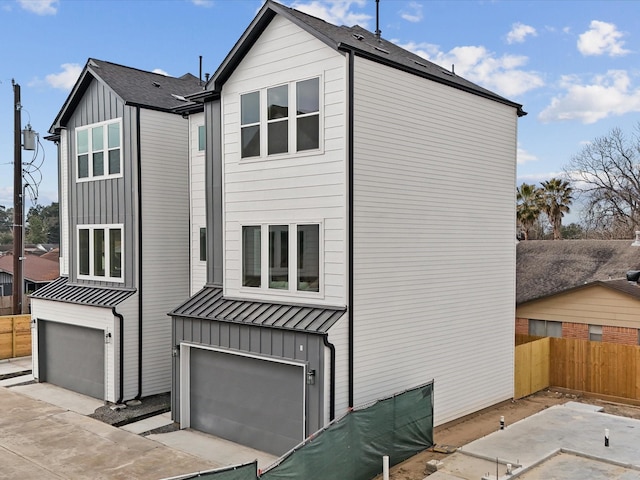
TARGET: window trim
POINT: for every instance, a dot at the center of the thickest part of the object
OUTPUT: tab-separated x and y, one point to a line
201	134
107	227
292	121
292	260
105	158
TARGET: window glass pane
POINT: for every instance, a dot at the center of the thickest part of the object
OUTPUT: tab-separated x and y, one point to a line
279	256
251	141
98	164
308	96
308	134
537	327
251	257
98	252
83	166
114	135
203	244
82	137
309	258
201	138
278	102
83	249
115	253
554	329
278	137
114	162
595	333
96	138
250	108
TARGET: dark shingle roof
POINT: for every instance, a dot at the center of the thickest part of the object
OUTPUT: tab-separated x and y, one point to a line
547	267
62	291
209	304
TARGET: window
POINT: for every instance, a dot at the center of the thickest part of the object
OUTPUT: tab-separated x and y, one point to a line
292	260
266	114
100	252
595	333
203	244
545	328
202	138
98	150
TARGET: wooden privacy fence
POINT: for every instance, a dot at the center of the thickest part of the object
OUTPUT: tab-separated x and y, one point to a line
595	367
15	336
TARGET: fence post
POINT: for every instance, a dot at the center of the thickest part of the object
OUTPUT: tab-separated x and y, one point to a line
13	337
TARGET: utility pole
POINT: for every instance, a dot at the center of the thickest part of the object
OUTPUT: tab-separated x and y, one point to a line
18	220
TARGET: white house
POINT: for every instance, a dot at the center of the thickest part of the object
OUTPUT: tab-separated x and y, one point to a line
361	225
101	329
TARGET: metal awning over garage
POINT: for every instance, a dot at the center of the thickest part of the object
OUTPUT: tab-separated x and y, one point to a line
61	290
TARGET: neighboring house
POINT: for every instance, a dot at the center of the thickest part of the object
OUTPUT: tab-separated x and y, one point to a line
37	271
578	289
360	206
102	328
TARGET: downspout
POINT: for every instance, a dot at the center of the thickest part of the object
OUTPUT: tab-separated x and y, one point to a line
121	346
350	220
139	167
332	378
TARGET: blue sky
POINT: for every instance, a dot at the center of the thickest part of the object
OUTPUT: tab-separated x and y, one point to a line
574	65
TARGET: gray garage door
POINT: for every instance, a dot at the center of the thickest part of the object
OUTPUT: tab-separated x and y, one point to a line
72	357
250	401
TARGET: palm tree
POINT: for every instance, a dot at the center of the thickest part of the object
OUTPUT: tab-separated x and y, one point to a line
556	198
528	207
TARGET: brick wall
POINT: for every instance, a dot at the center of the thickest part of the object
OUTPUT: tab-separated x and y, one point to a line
621	335
522	326
575	330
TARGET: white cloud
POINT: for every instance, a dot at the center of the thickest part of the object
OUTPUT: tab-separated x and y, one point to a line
601	38
525	157
66	79
503	75
40	7
606	95
338	12
413	13
203	3
160	71
519	32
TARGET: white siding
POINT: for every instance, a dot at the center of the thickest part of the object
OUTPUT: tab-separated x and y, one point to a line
84	316
287	189
197	189
63	206
434	241
165	238
129	310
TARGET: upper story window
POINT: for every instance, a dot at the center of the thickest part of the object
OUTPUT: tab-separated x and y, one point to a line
281	257
100	252
99	150
203	244
268	126
202	138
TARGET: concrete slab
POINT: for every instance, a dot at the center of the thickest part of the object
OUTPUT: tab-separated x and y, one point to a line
568	466
10	382
583	407
148	424
214	449
15	365
60	397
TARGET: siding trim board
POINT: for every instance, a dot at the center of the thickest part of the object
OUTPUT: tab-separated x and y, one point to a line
350	174
140	250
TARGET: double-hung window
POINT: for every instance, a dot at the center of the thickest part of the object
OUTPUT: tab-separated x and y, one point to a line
99	150
100	252
269	125
281	257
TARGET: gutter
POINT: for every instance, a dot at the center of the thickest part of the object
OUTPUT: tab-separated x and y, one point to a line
332	378
139	168
350	122
121	346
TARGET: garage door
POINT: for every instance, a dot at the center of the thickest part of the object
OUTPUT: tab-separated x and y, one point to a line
72	357
247	400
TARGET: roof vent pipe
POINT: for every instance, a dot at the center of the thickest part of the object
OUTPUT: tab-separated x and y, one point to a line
636	243
378	32
200	75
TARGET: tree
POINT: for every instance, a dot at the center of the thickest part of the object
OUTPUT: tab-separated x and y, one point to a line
6	228
556	198
43	225
528	207
606	173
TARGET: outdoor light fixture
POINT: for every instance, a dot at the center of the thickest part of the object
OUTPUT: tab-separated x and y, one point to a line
175	351
311	377
107	337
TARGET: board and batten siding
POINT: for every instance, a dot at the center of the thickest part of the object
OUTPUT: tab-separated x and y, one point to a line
63	205
294	188
129	311
198	200
109	200
338	336
594	305
164	160
434	241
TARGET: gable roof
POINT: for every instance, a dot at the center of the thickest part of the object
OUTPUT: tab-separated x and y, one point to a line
547	267
35	268
134	87
342	38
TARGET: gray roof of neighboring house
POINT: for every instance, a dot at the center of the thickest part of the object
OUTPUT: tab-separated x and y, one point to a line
135	87
210	304
355	39
547	267
62	291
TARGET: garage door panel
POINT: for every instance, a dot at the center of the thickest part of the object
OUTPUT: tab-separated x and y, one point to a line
72	357
251	401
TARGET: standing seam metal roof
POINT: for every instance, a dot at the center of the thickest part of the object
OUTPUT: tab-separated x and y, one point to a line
62	291
210	304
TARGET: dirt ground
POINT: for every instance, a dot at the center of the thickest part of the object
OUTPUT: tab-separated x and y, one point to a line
487	421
